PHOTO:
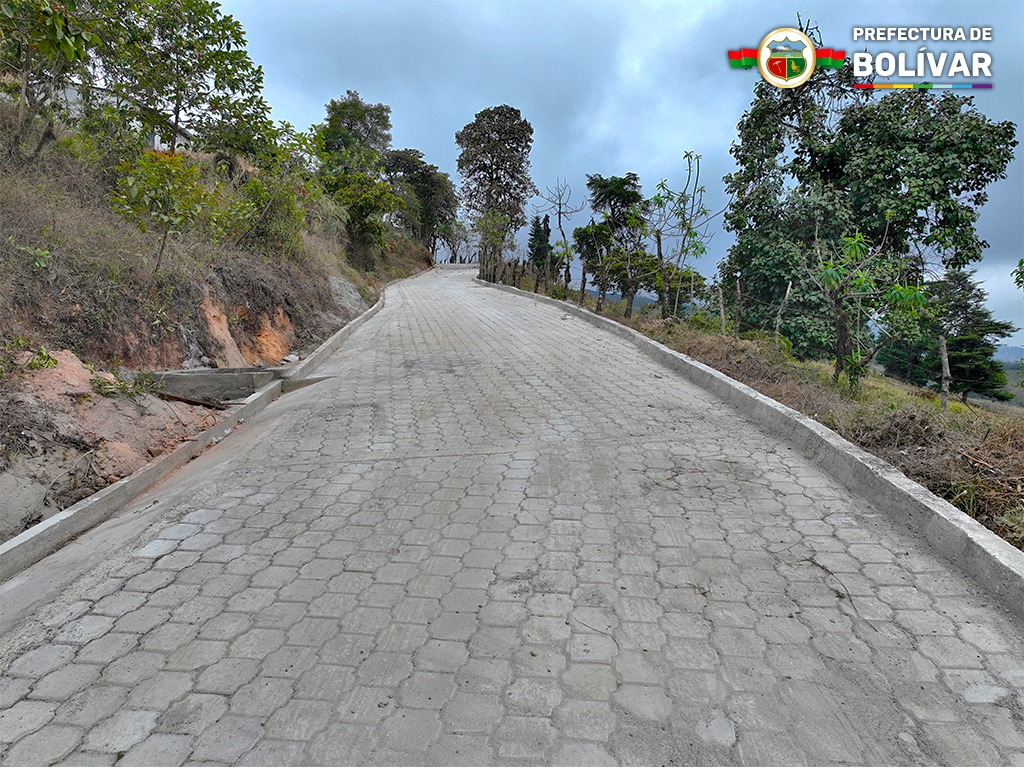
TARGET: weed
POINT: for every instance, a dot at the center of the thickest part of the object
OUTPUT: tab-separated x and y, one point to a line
41	359
132	386
1012	524
40	256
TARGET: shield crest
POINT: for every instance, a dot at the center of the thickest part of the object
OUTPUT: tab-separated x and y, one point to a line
787	67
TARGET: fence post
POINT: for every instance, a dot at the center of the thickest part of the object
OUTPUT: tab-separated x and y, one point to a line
944	357
778	317
721	307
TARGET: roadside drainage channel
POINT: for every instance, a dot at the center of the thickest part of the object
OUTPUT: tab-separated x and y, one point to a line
259	387
994	563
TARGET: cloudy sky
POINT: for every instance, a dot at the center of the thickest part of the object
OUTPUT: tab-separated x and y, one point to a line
610	87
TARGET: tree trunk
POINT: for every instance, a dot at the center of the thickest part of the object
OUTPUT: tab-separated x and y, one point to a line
843	343
739	310
160	253
663	283
778	317
46	138
600	299
630	298
583	285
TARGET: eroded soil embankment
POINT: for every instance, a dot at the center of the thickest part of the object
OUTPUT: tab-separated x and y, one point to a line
68	430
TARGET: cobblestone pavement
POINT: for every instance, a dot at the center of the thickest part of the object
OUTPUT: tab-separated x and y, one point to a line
498	536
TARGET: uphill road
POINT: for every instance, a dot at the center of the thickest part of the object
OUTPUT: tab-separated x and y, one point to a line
495	535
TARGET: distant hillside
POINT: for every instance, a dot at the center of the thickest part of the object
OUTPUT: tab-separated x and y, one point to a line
1013	374
640	302
1009	354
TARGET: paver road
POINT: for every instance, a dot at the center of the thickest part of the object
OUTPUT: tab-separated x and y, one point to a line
499	536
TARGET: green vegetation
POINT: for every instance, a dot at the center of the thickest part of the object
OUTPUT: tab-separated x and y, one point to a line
958	313
495	166
825	165
143	177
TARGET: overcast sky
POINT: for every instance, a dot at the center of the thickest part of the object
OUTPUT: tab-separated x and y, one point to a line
609	87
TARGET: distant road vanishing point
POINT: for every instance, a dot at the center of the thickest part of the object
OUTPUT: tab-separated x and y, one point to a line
499	536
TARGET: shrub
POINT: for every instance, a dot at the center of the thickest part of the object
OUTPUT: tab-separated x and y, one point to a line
161	190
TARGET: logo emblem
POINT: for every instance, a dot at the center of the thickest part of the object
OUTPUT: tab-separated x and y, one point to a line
786	57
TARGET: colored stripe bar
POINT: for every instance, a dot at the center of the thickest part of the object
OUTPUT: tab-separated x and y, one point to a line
829	58
745	58
924	86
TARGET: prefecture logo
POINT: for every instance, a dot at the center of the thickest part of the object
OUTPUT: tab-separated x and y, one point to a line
786	58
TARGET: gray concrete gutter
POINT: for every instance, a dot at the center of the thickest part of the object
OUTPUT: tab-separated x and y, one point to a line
40	540
995	563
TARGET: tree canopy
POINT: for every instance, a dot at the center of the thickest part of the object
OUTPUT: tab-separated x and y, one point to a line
181	68
825	162
494	163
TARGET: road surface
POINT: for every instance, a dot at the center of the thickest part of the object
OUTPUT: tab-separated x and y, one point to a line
497	535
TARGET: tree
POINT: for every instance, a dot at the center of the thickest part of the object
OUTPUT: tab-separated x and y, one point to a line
455	235
367	201
357	134
43	47
494	163
958	312
620	202
594	246
559	202
1018	274
162	191
436	204
679	220
817	163
181	68
863	289
493	236
539	251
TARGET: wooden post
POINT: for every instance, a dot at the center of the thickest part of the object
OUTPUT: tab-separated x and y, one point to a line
721	307
778	317
944	357
739	308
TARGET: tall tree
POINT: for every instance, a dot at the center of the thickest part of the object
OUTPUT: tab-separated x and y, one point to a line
355	137
357	134
620	202
958	312
494	163
436	204
822	162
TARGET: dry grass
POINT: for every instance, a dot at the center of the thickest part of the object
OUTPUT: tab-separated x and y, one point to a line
76	275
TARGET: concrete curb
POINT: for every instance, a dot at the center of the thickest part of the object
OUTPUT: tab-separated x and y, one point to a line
40	540
995	563
317	357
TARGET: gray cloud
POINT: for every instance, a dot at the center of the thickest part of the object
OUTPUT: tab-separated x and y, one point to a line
609	87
